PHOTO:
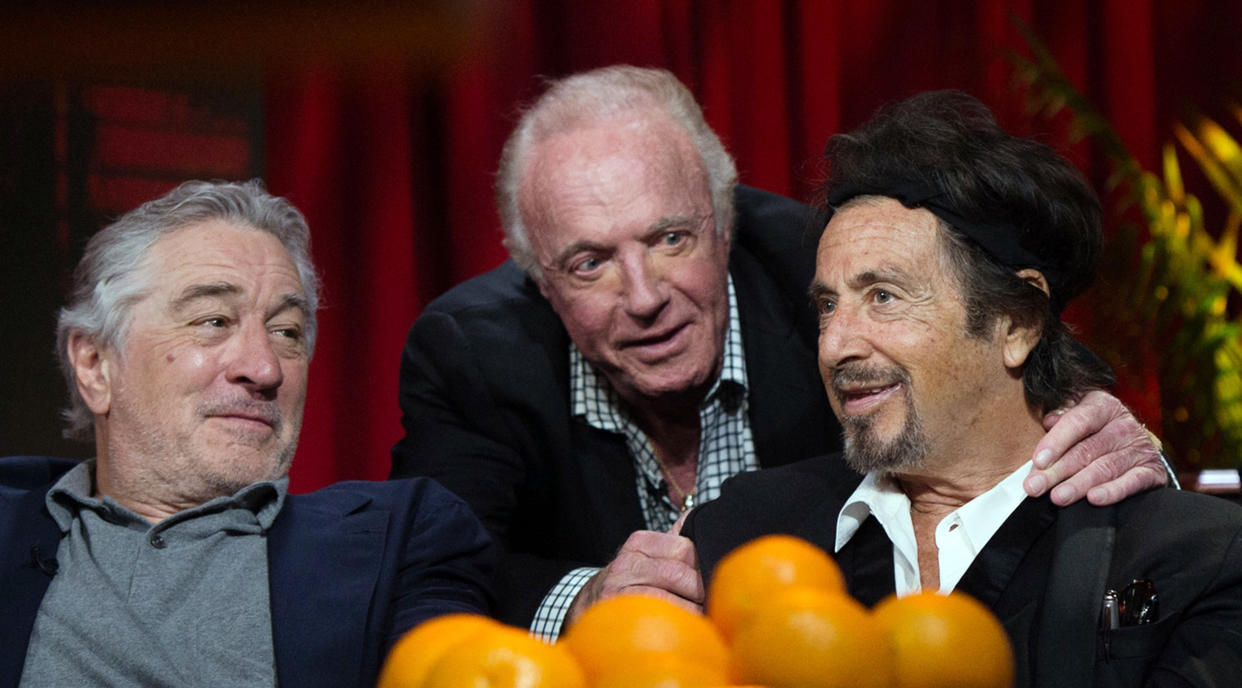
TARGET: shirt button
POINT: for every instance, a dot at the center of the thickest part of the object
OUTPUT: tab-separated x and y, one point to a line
157	541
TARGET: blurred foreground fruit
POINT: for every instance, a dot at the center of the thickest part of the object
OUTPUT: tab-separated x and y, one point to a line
747	577
623	633
505	658
414	654
944	641
662	671
807	638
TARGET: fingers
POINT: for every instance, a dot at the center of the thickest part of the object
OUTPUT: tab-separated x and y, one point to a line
1133	481
681	520
1067	427
659	564
1107	480
1097	449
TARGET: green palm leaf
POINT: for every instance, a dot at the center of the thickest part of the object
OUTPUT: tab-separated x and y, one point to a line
1175	284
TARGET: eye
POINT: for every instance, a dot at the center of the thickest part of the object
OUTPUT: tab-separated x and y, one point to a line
672	238
291	333
882	296
826	306
214	321
586	266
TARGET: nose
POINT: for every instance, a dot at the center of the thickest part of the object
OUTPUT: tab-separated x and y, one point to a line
255	364
842	338
645	289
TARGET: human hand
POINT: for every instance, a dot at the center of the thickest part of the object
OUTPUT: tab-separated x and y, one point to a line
663	565
1096	448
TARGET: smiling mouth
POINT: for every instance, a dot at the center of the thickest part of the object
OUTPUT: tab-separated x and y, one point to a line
658	344
859	400
246	418
256	422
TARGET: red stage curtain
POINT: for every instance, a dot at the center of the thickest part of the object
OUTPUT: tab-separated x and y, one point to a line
394	171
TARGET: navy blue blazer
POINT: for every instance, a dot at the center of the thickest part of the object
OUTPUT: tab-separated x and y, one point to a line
350	567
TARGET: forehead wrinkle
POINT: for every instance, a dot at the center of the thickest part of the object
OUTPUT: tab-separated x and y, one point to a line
209	290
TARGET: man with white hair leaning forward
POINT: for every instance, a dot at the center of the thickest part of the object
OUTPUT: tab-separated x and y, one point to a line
649	339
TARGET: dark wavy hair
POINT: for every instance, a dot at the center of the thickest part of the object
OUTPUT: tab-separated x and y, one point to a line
949	141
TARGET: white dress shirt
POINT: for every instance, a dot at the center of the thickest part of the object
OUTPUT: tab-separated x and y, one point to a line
960	535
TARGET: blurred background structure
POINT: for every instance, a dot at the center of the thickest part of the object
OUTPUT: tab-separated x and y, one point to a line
383	122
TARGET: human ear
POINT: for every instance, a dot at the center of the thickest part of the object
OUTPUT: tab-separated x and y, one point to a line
1020	340
92	370
1036	279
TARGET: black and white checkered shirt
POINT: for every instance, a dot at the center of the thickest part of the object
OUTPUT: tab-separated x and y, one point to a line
725	449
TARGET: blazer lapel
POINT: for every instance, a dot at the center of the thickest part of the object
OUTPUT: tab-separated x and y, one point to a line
608	479
324	559
27	526
993	570
866	560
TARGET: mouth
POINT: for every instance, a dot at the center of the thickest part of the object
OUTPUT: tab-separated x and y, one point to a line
656	346
858	400
246	420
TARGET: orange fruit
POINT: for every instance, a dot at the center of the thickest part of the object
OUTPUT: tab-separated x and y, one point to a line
621	632
412	656
749	575
810	638
946	640
505	658
663	670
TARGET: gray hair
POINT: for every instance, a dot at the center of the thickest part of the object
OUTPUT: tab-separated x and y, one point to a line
584	98
110	278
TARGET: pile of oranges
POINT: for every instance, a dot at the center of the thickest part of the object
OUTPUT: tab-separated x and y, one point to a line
777	616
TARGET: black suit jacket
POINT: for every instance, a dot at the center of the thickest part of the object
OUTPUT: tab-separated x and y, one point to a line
1190	545
485	401
351	567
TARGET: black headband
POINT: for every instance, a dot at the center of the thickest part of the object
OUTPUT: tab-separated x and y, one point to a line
1000	240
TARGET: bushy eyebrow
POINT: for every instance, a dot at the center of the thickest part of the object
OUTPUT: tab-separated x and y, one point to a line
659	227
215	290
666	223
197	292
887	273
291	301
818	291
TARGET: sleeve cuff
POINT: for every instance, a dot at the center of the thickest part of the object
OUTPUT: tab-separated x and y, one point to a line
550	616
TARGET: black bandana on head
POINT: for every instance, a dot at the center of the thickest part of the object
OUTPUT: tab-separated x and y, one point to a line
1001	240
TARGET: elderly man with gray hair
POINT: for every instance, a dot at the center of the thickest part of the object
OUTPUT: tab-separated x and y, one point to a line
650	338
176	556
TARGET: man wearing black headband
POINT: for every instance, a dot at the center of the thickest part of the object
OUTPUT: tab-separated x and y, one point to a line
649	339
939	282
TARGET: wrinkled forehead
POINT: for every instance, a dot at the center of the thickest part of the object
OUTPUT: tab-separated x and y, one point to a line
220	252
614	160
877	228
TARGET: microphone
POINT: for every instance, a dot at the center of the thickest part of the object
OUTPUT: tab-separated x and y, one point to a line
47	565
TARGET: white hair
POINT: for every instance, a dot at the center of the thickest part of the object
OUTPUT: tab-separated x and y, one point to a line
588	97
109	279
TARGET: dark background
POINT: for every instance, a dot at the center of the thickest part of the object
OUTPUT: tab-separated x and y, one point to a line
384	124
